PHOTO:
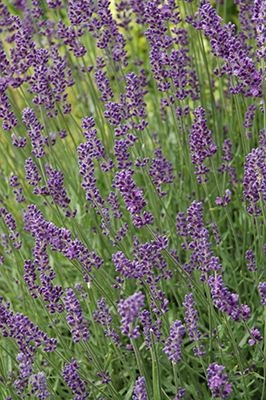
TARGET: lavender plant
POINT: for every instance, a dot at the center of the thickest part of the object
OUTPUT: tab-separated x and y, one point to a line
132	199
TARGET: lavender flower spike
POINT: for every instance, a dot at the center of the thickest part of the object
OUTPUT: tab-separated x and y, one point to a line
129	311
201	145
75	317
39	386
217	381
192	327
226	301
180	395
73	380
256	337
173	344
140	389
262	290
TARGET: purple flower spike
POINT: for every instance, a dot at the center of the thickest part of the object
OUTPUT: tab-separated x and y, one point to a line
103	317
180	395
39	386
192	327
133	197
148	326
217	381
256	337
255	180
140	389
226	301
75	317
161	171
251	258
201	144
73	380
129	310
227	157
262	290
249	117
173	343
226	199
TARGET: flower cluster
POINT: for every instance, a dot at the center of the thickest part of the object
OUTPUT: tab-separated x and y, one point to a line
103	317
262	291
39	386
161	171
129	310
237	58
133	199
227	157
145	256
73	380
255	180
251	258
192	327
256	337
140	389
201	144
201	258
24	331
249	117
174	341
226	301
75	317
13	182
225	200
217	381
148	327
11	224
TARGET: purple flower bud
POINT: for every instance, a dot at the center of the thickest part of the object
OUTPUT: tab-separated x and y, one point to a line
251	258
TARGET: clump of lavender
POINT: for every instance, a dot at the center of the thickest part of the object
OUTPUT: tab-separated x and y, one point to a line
83	87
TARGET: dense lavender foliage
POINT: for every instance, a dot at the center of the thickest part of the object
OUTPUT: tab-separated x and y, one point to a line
132	199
